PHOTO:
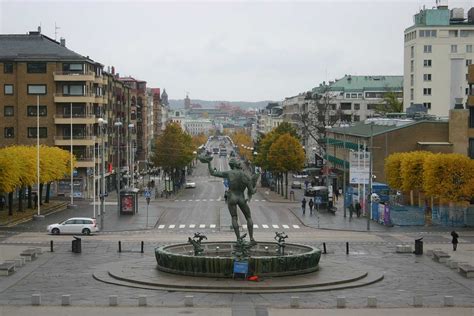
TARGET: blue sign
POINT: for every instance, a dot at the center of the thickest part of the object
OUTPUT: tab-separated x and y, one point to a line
226	183
241	267
318	200
75	173
147	194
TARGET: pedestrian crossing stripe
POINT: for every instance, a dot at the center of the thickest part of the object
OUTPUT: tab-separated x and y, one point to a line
296	226
275	226
182	226
285	226
202	226
161	226
196	200
264	226
213	226
192	226
212	200
172	226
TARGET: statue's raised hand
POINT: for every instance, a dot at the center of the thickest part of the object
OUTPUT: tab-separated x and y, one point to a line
205	159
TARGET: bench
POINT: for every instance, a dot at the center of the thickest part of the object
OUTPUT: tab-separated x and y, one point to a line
29	254
466	270
404	249
6	268
19	262
440	256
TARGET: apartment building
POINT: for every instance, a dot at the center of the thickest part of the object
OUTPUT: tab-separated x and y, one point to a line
437	51
463	139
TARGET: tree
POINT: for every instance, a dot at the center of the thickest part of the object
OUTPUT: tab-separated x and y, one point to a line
393	170
391	104
286	154
199	140
243	141
411	171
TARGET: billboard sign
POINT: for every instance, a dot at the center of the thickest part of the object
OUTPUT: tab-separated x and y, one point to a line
359	169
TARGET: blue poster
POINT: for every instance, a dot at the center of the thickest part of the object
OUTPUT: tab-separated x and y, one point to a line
226	183
241	267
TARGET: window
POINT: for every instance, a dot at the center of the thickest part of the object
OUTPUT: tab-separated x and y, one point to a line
426	91
8	110
356	118
346	106
36	89
427	105
469	48
8	68
426	77
453	33
43	132
471	148
356	106
427	62
31	110
36	68
412	66
454	48
412	79
359	95
471	116
427	49
73	90
466	33
427	33
468	62
412	51
9	132
348	95
8	89
74	68
412	92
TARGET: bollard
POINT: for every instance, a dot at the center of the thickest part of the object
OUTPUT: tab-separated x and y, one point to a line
418	301
113	300
448	301
51	246
120	246
341	302
142	300
66	300
36	299
324	248
347	248
143	246
371	301
189	301
294	302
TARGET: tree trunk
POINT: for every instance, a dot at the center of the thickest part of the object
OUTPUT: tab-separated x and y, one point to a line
20	199
282	185
48	190
10	203
41	194
30	205
411	198
286	185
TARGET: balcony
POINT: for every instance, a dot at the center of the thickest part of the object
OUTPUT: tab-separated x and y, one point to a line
86	162
100	99
470	76
76	119
77	140
74	76
66	98
470	100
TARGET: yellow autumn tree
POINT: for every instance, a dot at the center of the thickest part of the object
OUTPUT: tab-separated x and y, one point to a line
243	141
9	171
286	154
393	170
449	177
198	140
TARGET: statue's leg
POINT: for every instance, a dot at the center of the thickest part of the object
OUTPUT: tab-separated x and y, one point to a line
246	211
235	224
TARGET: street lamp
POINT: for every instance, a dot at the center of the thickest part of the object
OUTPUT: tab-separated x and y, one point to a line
344	126
118	125
327	158
132	163
71	205
102	124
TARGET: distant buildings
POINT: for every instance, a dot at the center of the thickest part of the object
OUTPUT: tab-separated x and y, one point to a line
438	49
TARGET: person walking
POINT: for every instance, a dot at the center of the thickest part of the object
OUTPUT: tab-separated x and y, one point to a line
303	205
351	210
358	208
455	240
311	204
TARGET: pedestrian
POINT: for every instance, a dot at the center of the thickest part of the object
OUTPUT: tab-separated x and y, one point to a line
351	210
2	202
340	192
336	194
455	240
225	195
311	204
358	208
35	199
303	205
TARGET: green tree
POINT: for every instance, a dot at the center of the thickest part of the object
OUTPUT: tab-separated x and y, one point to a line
286	154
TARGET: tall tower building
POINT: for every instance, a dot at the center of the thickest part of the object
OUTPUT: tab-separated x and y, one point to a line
438	50
187	102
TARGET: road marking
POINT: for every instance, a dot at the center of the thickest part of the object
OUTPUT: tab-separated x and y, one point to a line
285	226
264	200
296	226
182	226
192	226
190	200
172	226
212	226
212	200
264	226
105	203
204	200
255	226
176	200
161	226
202	226
244	227
183	200
197	200
275	226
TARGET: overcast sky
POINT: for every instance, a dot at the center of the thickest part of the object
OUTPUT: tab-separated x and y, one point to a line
228	50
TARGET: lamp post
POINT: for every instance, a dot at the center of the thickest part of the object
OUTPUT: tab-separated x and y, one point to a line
132	163
118	125
102	124
71	205
327	158
344	168
370	173
38	195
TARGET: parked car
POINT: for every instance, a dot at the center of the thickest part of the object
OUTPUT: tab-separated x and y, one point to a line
75	225
190	185
296	185
300	175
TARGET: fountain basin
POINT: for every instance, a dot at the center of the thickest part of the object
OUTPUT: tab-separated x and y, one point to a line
217	259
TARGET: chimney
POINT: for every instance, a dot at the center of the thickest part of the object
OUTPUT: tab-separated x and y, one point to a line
62	40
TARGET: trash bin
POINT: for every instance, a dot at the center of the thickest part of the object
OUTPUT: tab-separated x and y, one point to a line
76	245
419	246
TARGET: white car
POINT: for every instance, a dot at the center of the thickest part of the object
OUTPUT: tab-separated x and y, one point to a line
190	185
76	225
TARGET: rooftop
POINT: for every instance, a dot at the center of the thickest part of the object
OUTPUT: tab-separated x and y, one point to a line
35	46
350	83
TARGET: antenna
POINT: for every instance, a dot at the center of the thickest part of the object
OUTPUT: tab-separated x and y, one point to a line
56	28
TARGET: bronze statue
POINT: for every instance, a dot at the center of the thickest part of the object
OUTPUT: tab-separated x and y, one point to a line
238	182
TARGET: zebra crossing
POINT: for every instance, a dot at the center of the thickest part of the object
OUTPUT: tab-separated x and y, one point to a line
211	200
213	226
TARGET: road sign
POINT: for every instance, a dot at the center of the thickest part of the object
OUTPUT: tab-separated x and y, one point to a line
318	200
226	183
147	194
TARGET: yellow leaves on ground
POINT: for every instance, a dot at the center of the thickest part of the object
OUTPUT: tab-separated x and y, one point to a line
446	176
286	154
18	166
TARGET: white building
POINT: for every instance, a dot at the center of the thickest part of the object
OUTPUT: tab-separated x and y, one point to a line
438	49
198	126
